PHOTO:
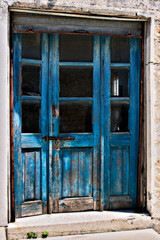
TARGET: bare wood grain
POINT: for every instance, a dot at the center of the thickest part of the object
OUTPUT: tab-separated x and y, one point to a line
76	204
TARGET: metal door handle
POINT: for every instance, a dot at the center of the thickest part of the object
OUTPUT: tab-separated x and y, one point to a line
47	138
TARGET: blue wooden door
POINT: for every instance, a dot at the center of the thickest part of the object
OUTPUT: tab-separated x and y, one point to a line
76	120
120	121
30	113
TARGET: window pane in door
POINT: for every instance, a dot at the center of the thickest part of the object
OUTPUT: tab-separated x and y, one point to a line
76	48
31	46
119	116
30	80
75	117
76	82
119	82
31	116
120	50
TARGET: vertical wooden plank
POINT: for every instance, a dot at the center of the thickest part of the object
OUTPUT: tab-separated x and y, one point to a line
105	122
53	121
135	48
12	215
96	121
141	113
18	167
81	173
50	124
102	125
23	174
29	175
125	178
60	173
37	159
55	60
116	163
88	172
44	118
66	173
74	173
85	172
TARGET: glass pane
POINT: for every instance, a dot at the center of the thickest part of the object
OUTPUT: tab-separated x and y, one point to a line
31	116
119	82
119	116
30	80
76	48
31	46
75	117
76	82
120	50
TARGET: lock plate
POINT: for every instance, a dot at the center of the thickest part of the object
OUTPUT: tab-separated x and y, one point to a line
57	145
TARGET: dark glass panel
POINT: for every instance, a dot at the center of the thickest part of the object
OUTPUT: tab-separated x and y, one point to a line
76	82
119	116
119	82
30	80
120	50
75	117
76	48
31	46
31	116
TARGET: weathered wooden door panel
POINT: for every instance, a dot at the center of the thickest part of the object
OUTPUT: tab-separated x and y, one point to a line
119	173
83	91
75	72
30	62
121	76
31	161
76	172
76	204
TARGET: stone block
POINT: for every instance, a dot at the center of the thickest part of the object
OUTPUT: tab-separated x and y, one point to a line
2	233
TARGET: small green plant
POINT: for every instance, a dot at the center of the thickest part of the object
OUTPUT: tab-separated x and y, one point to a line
31	235
45	235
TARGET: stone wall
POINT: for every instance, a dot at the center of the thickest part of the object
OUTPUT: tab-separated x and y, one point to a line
127	8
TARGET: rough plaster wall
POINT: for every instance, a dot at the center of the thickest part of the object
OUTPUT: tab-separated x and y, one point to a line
113	7
128	8
4	140
155	120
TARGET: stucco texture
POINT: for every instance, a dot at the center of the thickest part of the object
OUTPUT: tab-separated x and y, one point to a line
127	8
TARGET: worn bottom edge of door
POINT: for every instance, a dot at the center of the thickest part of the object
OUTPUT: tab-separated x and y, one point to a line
31	208
76	204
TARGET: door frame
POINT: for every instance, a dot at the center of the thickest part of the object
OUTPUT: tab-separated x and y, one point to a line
102	156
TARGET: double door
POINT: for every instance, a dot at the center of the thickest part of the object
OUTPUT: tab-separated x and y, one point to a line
76	119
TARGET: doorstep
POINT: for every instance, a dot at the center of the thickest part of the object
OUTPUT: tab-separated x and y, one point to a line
61	224
2	233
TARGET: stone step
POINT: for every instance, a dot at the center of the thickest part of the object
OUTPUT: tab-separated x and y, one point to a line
145	234
2	233
62	224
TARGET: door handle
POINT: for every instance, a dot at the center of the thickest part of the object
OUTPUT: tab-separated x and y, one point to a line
48	138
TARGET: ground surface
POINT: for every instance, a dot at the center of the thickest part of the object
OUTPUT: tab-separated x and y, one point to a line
78	223
2	233
147	234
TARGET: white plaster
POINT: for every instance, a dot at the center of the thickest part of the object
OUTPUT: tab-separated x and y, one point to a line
149	98
151	46
2	233
4	123
151	137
